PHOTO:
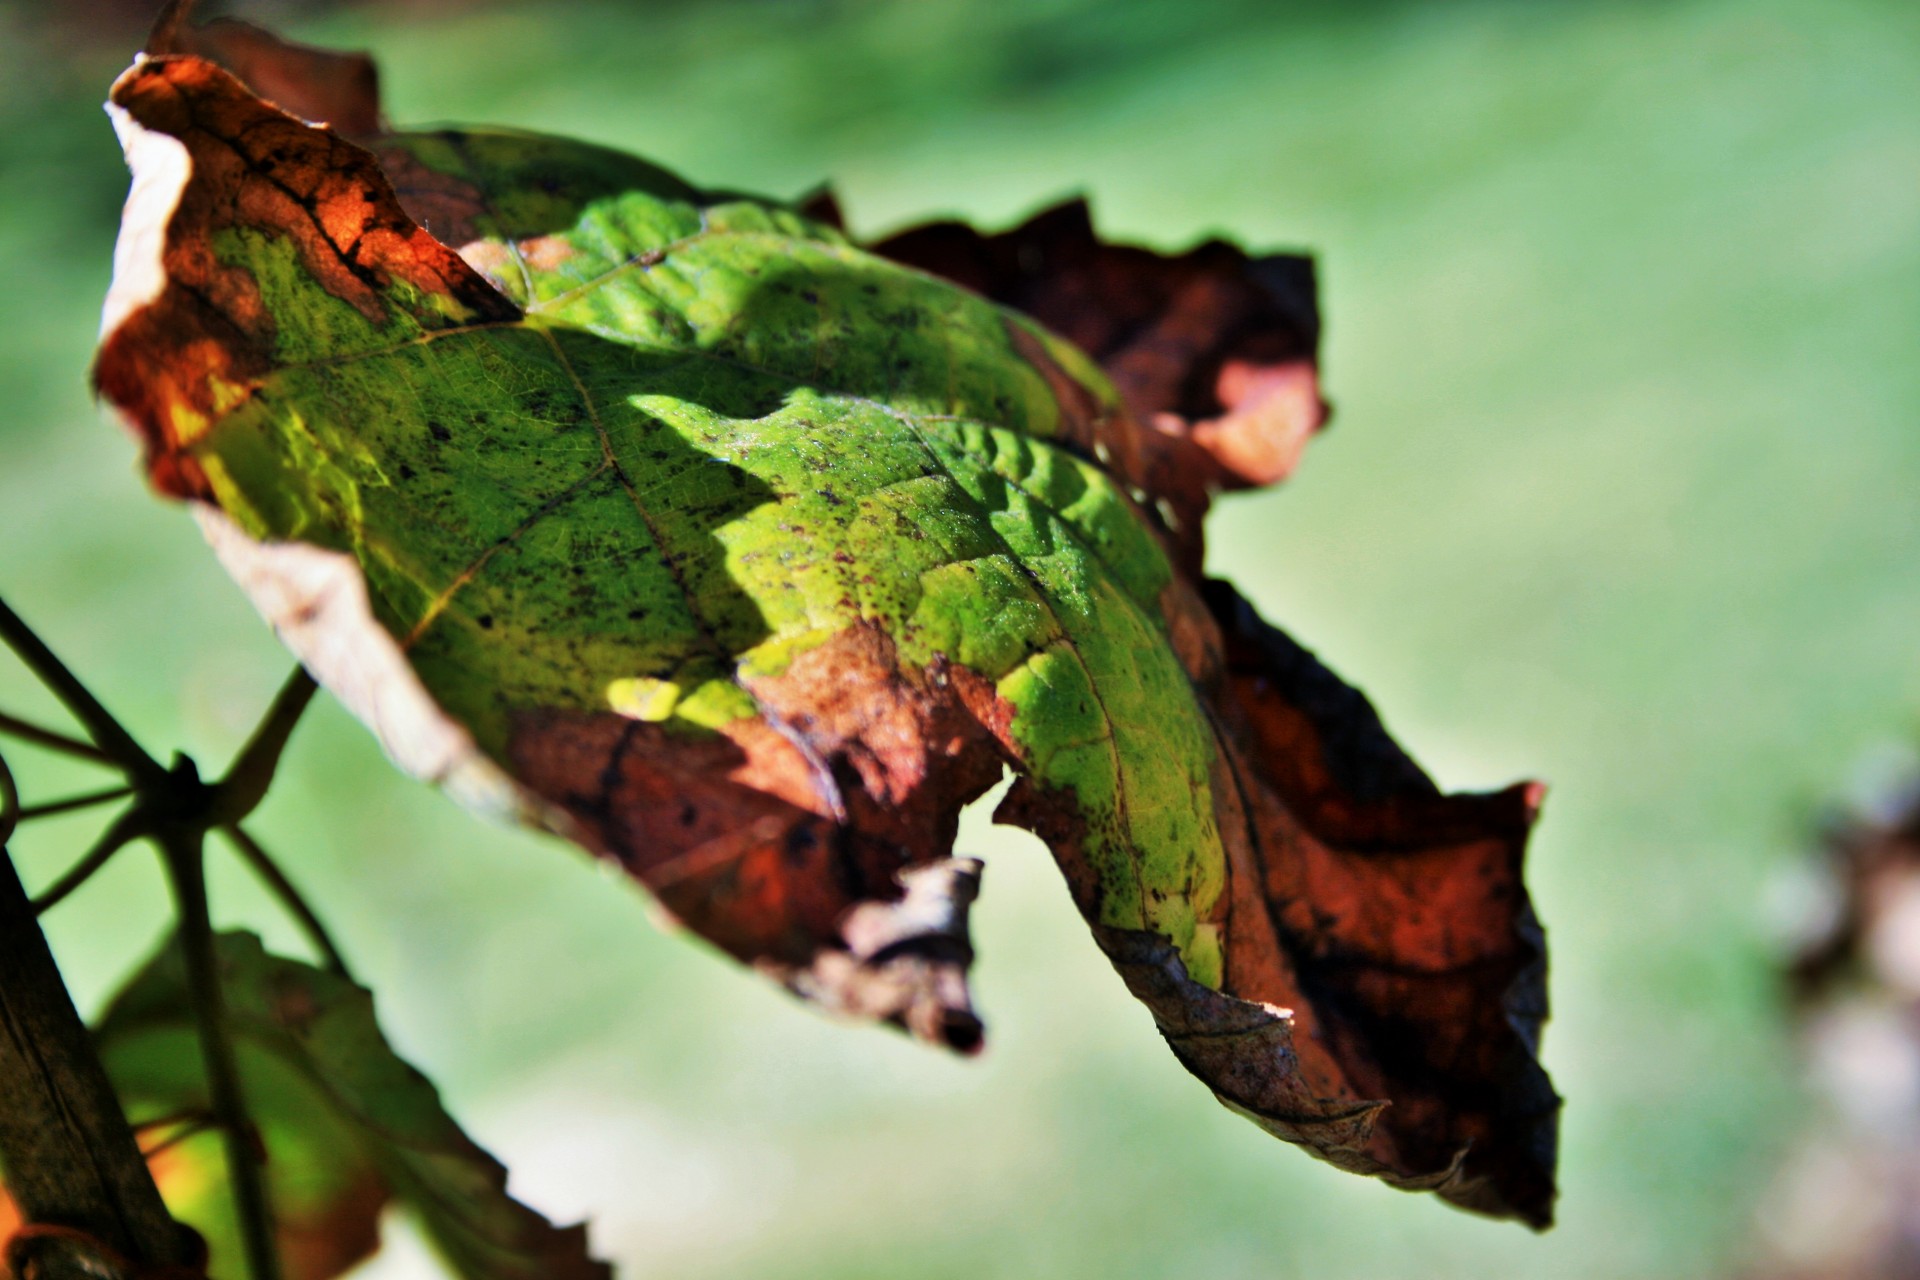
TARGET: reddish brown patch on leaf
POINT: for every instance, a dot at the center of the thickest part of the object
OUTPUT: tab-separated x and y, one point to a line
446	205
1272	410
799	840
342	91
1393	919
1162	327
1248	1052
719	827
1384	975
190	354
321	1246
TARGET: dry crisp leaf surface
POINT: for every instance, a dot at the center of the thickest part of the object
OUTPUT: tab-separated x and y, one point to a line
679	522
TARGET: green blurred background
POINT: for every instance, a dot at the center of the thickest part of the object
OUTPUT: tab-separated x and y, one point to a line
1622	306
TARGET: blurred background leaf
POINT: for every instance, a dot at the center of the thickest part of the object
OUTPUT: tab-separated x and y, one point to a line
1620	493
344	1123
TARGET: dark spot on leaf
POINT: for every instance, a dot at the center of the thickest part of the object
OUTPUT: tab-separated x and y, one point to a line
801	842
962	1031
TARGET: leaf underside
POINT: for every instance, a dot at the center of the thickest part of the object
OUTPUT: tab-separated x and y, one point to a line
345	1125
746	556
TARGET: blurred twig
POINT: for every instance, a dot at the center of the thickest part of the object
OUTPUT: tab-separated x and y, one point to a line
290	897
72	804
107	733
14	727
124	831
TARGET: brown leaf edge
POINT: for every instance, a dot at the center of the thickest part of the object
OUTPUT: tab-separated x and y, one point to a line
319	86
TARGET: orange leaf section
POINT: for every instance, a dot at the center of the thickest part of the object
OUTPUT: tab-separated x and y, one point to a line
192	354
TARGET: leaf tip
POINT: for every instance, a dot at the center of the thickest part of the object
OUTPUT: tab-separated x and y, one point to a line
320	86
1533	797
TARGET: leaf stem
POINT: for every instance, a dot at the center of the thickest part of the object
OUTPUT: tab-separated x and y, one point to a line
290	897
72	803
245	785
187	1128
107	733
127	828
184	847
27	731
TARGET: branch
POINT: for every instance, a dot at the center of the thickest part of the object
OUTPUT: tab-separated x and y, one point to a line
46	1147
290	897
27	731
185	851
127	828
72	803
71	1161
240	792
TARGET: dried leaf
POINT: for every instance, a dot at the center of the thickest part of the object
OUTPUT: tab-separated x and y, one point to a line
320	86
677	522
344	1124
1844	1196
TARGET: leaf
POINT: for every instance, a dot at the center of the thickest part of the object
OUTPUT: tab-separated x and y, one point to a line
676	522
344	1123
1850	992
1401	911
1212	351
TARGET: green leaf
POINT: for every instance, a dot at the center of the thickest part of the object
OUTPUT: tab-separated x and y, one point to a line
344	1124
